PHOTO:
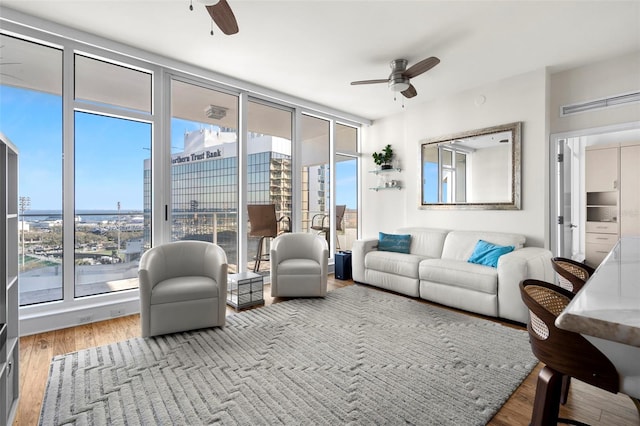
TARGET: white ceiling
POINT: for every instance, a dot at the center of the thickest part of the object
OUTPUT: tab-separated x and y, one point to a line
313	49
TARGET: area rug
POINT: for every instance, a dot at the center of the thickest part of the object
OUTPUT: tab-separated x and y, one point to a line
358	356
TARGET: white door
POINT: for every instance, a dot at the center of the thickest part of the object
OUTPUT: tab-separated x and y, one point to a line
568	202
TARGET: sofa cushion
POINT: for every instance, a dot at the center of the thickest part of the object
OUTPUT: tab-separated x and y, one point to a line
488	254
425	242
460	244
460	274
398	243
393	263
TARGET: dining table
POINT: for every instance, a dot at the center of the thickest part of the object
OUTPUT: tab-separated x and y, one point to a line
606	311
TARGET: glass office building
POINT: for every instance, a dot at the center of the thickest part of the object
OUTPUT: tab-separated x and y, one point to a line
204	185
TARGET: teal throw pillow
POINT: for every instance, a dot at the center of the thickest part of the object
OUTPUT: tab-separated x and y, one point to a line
487	254
399	243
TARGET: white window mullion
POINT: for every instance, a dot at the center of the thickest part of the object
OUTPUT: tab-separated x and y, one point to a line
242	181
161	161
296	171
68	177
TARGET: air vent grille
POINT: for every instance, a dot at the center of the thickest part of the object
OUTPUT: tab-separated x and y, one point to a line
600	103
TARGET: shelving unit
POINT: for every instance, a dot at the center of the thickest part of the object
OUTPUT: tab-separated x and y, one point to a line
9	332
378	171
603	225
389	184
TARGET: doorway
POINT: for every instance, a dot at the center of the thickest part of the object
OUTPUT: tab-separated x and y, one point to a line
568	203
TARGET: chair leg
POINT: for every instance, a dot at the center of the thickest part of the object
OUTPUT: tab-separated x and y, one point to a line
546	405
256	265
566	382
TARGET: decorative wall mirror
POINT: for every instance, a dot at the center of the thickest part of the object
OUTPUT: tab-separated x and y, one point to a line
477	169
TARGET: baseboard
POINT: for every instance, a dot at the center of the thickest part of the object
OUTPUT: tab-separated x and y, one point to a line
33	323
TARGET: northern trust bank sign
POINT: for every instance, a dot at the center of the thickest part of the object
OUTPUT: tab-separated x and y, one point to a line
196	156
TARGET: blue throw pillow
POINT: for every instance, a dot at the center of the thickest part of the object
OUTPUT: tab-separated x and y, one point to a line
487	254
399	243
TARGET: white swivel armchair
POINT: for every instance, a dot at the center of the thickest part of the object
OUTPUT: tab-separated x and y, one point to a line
183	286
299	265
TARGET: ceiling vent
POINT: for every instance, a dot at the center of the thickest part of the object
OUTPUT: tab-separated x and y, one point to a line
600	103
216	112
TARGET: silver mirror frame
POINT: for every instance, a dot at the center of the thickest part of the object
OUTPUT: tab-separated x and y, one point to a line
516	132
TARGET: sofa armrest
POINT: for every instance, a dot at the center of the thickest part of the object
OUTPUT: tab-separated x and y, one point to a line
359	250
526	263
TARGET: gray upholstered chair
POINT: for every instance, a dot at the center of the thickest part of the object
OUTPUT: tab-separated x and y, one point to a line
183	286
299	265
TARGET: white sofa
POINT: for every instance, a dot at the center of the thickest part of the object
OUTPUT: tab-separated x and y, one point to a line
436	269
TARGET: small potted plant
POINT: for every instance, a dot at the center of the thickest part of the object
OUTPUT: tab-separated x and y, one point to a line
383	159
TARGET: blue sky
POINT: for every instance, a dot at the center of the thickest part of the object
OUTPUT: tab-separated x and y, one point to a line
32	121
109	167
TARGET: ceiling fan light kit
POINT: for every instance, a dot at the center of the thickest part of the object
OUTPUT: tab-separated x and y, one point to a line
399	79
399	84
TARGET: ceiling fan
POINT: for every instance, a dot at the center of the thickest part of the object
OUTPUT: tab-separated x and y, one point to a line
399	78
221	14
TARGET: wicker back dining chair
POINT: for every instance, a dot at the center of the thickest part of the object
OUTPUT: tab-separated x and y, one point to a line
563	352
571	274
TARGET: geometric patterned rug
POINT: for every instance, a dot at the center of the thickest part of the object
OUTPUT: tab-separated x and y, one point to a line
359	356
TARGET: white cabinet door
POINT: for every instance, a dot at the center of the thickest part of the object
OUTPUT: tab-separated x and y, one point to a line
601	169
630	190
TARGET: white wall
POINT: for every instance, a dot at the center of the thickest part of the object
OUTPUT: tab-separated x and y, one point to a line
611	77
521	98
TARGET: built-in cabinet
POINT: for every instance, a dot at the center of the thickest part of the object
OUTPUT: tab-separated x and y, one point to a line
630	189
9	335
601	168
612	184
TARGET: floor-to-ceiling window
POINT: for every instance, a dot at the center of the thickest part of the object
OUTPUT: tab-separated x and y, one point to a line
315	168
346	185
110	146
31	116
204	166
268	177
99	164
109	184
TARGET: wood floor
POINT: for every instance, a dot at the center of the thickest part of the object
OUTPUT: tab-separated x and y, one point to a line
586	403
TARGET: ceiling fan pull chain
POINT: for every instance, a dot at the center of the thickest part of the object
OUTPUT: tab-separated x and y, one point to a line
211	27
191	5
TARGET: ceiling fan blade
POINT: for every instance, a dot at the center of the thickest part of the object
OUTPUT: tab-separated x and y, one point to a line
223	16
386	80
420	67
410	92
